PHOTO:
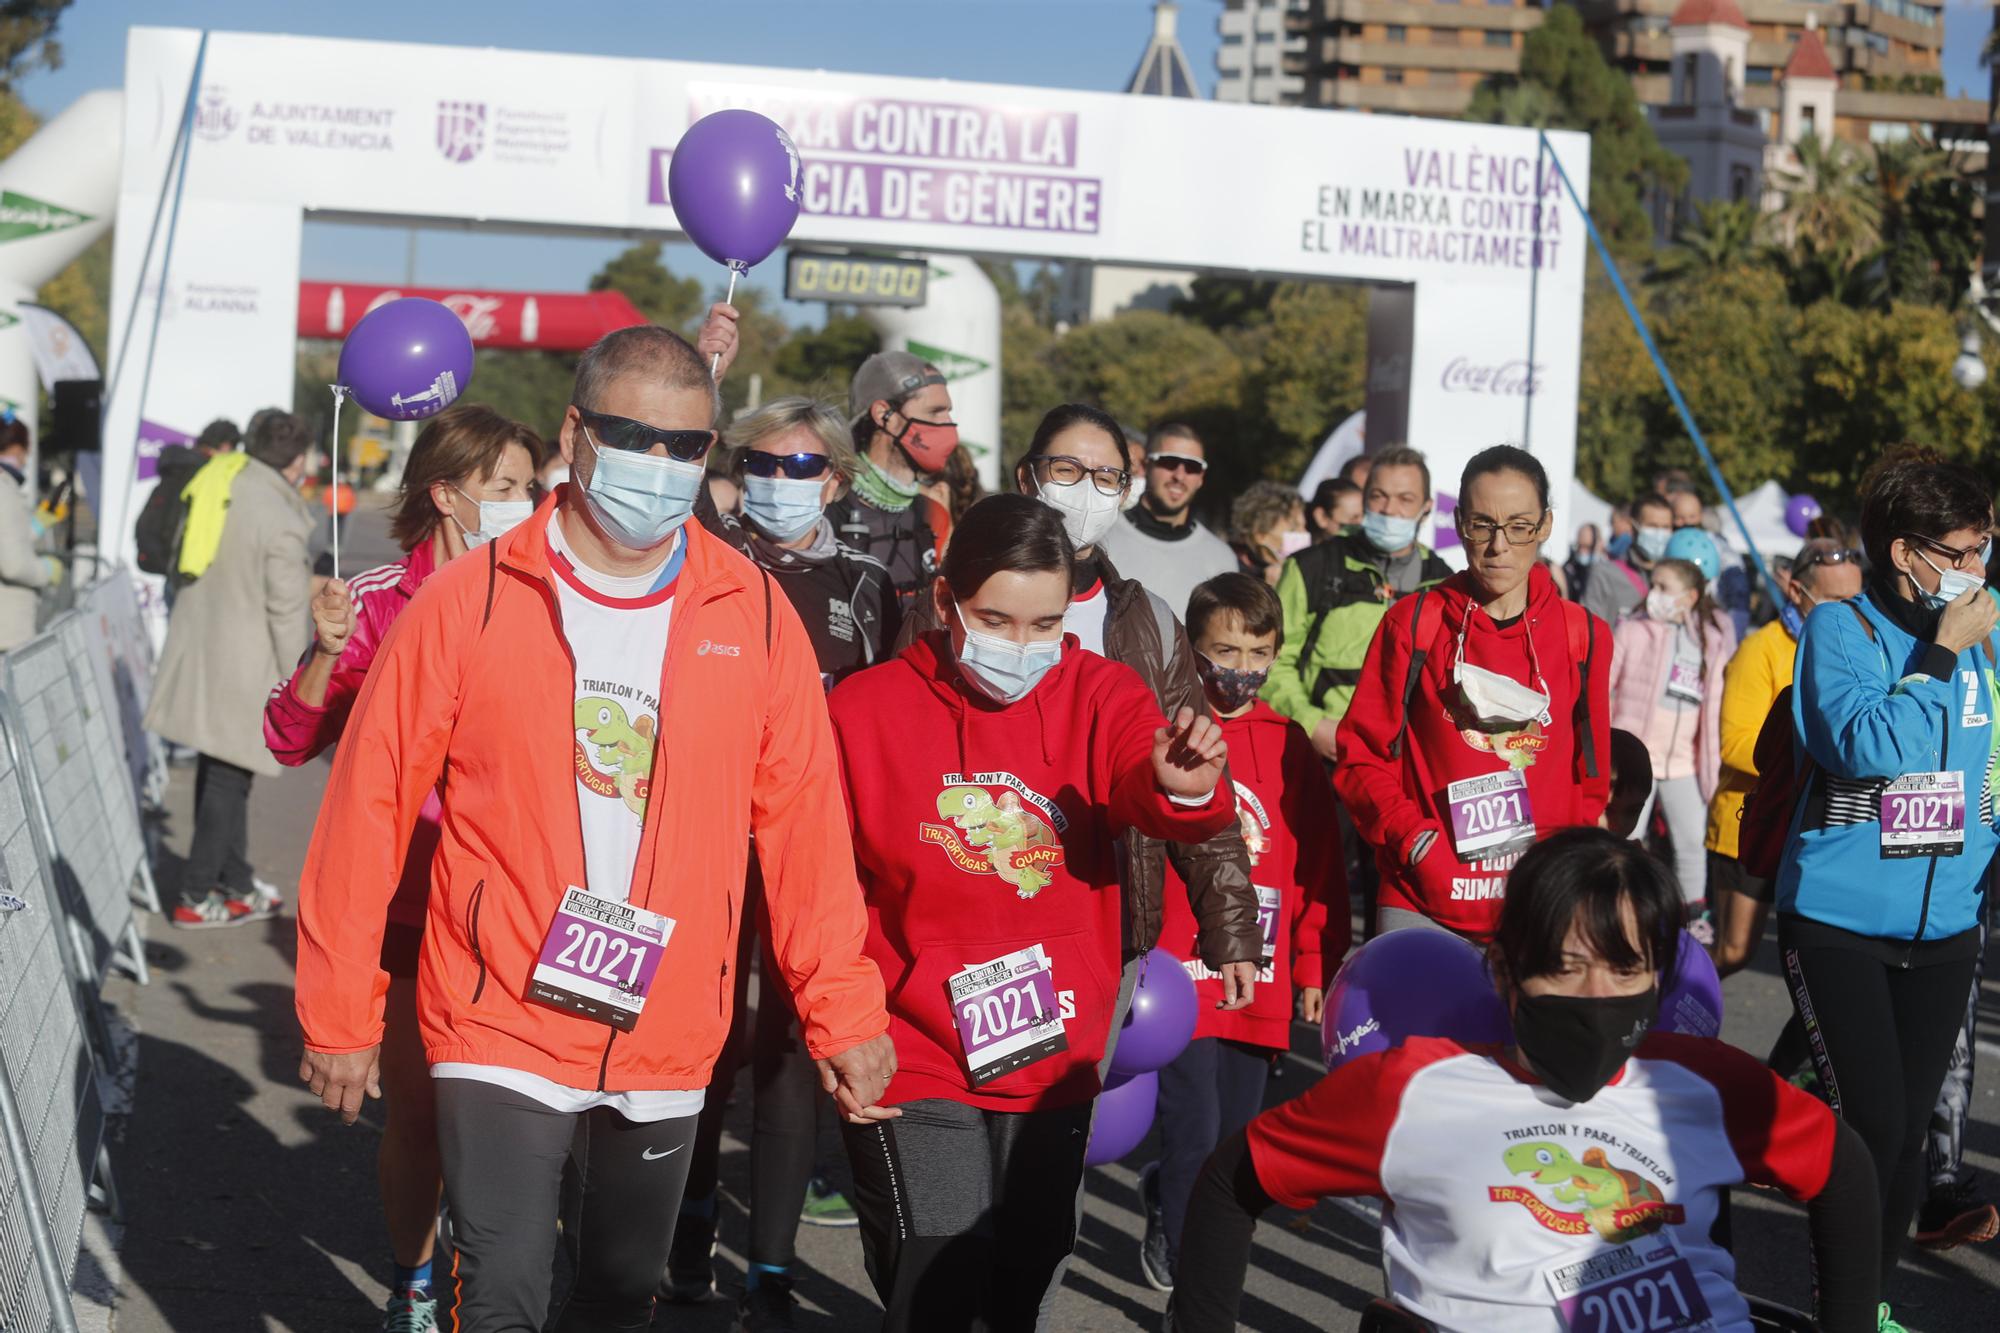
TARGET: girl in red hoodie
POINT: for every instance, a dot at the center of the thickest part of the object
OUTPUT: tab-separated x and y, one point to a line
1482	721
989	769
1285	807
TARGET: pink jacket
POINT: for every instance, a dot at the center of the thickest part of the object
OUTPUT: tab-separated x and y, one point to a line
296	732
1642	656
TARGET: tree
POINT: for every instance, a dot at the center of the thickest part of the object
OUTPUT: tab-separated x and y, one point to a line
1930	226
1723	235
27	38
1580	91
1617	394
1305	371
820	362
1227	303
661	297
1146	366
1827	201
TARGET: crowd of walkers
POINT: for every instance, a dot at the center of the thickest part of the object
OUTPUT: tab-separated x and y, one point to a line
657	704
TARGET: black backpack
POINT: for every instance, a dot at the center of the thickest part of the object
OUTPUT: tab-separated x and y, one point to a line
157	534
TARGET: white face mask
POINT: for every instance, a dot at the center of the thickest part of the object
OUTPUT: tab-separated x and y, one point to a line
1498	702
1087	513
1952	585
496	519
1664	607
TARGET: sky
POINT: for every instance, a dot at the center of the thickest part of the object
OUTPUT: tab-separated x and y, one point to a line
1086	44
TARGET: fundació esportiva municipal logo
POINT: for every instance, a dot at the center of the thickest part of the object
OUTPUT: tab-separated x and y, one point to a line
461	130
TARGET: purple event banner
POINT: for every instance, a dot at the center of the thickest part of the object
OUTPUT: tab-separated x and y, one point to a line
894	192
894	128
154	437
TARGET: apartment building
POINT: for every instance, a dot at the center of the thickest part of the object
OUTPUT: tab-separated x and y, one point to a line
1418	57
1257	38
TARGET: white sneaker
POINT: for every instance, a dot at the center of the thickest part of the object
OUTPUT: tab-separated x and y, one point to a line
266	894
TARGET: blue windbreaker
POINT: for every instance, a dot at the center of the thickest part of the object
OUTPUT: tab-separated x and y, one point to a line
1868	713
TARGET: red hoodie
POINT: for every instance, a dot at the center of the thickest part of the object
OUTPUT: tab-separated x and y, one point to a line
1395	800
1285	806
980	830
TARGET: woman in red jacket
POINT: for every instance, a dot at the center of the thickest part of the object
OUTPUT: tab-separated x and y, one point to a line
1482	721
466	482
989	770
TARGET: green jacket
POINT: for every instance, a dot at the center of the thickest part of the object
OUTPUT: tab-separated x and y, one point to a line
1337	589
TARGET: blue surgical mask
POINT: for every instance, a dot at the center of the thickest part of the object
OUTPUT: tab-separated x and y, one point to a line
1000	669
1387	533
1651	543
639	500
496	519
1792	619
783	508
1952	585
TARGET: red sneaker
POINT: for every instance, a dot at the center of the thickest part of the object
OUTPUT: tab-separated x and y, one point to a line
218	910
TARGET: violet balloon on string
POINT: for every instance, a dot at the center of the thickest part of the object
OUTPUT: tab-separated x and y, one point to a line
733	182
1410	983
1123	1117
407	359
1800	511
1160	1023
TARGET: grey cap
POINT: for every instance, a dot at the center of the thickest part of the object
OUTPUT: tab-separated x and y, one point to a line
888	377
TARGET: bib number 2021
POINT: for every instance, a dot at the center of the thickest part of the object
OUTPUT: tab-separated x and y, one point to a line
1918	814
596	954
1000	1013
1490	814
1651	1304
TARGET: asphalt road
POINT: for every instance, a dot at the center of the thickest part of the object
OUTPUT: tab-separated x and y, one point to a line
248	1207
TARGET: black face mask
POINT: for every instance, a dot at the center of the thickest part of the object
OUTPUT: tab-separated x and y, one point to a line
1577	1043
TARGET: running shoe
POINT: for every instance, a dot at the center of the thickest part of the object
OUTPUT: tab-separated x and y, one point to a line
264	891
1703	930
827	1206
768	1308
1957	1214
1884	1324
1155	1263
218	910
691	1261
409	1314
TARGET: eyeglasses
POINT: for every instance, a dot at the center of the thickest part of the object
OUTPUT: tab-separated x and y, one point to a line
1062	470
1812	556
1194	467
1959	559
685	446
1519	532
799	467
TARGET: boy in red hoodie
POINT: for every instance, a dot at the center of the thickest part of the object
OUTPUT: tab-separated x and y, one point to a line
989	769
1285	806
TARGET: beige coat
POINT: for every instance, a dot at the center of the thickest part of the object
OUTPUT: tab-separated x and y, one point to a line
239	629
23	574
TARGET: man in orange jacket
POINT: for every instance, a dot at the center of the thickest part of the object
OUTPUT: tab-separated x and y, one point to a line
610	703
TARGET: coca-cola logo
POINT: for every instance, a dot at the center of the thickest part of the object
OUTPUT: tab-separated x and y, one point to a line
1509	378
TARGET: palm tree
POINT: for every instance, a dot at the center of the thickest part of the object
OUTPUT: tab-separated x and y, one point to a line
1723	234
1902	167
1828	201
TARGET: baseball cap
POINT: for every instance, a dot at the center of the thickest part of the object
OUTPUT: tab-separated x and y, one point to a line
888	377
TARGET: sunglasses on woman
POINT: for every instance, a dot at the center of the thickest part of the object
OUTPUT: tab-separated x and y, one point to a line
684	446
799	467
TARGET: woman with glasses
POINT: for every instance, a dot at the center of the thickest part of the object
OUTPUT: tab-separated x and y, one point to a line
1881	884
1824	571
1482	722
793	457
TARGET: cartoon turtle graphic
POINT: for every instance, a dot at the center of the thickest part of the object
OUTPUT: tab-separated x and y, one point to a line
1602	1189
1006	831
623	747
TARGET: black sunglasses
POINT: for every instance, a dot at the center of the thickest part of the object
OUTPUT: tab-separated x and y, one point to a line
1813	556
1194	467
799	467
685	446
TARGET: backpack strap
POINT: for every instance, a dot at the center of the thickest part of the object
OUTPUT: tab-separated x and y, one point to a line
1420	641
492	581
1576	617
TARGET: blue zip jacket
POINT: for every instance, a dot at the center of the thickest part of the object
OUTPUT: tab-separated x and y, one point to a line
1868	713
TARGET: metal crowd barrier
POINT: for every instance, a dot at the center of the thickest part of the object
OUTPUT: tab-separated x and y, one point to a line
52	1041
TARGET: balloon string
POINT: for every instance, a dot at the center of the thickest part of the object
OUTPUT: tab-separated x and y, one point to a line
728	299
339	393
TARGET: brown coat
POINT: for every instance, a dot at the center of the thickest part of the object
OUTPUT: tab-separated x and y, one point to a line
1217	872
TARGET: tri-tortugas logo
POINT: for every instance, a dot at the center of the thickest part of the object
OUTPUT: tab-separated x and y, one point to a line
23	215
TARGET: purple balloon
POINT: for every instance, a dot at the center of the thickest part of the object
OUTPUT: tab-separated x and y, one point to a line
1123	1116
733	182
407	360
1694	1004
1800	511
1410	983
1160	1023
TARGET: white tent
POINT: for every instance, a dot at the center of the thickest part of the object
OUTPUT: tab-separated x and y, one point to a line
1763	513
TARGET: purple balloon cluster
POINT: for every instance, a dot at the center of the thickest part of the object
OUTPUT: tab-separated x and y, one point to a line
1157	1029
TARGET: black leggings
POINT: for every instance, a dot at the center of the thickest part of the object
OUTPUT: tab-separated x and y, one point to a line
505	1157
966	1215
1880	1037
784	1084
